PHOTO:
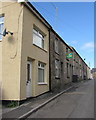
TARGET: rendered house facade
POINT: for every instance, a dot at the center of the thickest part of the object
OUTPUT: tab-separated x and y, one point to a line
25	54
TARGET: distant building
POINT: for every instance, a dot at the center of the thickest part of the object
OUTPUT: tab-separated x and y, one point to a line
81	71
93	71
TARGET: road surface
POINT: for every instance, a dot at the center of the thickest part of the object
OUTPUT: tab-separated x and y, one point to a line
77	103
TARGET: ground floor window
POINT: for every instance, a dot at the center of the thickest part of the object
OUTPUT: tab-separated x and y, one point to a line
57	68
41	72
67	65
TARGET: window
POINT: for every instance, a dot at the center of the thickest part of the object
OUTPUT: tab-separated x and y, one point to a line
67	70
80	71
1	26
66	50
57	68
41	72
38	38
79	61
61	66
67	54
56	46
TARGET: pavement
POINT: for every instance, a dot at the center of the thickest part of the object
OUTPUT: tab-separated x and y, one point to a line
75	103
34	104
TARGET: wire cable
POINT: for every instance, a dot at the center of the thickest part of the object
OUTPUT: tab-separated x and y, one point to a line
48	12
53	5
17	34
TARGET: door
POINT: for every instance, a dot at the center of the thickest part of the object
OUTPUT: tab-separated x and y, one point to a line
29	80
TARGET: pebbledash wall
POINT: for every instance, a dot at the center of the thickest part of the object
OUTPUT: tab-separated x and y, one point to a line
23	58
64	70
18	49
80	68
60	66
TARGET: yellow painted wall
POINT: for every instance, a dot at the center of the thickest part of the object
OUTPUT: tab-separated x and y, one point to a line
11	51
35	53
17	49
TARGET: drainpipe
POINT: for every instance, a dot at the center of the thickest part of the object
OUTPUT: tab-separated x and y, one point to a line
49	63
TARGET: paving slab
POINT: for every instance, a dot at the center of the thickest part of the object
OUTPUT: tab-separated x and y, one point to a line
34	104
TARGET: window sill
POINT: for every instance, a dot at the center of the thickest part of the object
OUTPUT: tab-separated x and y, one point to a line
67	59
43	83
57	53
57	77
40	48
68	77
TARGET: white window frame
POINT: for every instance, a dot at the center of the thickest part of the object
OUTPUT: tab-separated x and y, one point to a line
57	68
42	68
41	36
3	25
67	67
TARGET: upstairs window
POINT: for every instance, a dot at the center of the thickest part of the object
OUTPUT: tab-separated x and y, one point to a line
67	54
1	27
56	46
38	38
66	50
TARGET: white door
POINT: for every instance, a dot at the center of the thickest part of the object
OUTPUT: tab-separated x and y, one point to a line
29	80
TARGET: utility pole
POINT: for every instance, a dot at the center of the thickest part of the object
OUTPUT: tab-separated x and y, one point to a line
56	15
89	64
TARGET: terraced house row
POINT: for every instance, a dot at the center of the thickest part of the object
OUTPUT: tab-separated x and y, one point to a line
34	59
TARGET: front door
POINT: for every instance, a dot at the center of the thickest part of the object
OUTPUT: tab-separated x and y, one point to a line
29	80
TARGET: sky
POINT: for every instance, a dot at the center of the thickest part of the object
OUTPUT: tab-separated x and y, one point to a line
74	22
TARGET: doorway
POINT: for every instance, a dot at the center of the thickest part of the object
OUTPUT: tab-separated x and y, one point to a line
29	80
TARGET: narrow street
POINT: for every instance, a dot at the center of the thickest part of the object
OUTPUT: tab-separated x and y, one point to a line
77	103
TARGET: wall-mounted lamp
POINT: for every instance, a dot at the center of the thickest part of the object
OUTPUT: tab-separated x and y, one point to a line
6	32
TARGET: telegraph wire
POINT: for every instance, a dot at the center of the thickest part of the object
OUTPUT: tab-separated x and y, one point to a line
53	16
47	12
56	15
17	34
50	13
70	25
53	5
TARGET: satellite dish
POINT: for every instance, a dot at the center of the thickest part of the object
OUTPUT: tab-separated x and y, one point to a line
4	33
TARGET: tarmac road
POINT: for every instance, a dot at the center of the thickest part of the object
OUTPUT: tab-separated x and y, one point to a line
77	103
